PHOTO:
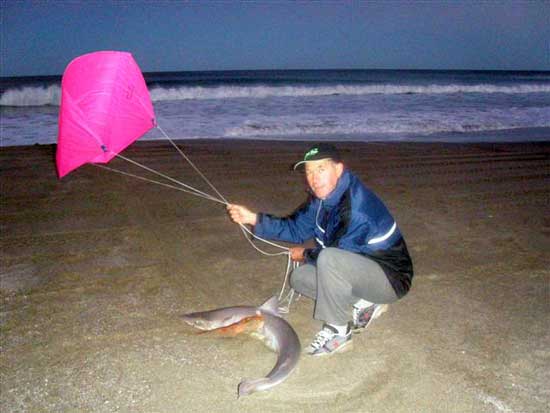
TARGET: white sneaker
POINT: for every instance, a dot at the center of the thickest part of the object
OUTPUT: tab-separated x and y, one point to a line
328	341
362	317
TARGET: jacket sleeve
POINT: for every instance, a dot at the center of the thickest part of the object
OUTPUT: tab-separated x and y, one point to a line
296	228
353	235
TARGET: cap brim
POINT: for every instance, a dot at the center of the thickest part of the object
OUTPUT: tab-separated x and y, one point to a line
298	164
301	163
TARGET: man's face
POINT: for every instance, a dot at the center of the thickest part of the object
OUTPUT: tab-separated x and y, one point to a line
322	176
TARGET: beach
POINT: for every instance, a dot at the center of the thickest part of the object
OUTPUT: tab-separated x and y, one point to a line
97	269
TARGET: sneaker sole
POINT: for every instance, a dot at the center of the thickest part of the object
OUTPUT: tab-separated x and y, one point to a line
381	309
347	346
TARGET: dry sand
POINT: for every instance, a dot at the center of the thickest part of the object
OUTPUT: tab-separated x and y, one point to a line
97	268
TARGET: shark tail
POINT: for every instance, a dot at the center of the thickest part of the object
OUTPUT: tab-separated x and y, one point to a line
247	387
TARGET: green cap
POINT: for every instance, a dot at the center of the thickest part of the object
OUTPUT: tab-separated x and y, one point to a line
318	152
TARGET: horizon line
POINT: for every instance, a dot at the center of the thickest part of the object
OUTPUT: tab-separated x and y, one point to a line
300	70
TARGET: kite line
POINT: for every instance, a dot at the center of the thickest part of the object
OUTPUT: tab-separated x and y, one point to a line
181	186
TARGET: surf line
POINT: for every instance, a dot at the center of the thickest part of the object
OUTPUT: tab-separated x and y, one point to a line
285	301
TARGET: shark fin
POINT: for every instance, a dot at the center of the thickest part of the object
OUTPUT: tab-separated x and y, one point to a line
271	306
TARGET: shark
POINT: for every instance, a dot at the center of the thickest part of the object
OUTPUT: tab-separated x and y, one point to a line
263	322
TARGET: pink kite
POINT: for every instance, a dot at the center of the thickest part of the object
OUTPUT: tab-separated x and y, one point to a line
105	106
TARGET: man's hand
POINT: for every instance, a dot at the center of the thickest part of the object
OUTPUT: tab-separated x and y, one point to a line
297	254
242	215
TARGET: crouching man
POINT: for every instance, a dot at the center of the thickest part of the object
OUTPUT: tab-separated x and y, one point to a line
360	260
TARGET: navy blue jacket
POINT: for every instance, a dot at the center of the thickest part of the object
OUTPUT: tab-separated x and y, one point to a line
352	218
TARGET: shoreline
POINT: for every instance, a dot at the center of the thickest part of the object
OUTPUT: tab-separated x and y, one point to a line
538	135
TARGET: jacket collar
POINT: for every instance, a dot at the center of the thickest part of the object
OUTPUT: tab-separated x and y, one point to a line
341	186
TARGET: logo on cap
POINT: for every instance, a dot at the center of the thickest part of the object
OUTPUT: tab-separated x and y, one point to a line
311	153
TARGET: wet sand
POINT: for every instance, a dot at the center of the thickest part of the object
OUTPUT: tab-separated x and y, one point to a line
96	269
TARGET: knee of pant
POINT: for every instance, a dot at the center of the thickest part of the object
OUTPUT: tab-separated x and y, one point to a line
299	286
326	257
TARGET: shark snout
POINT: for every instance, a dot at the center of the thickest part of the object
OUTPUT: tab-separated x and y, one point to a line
196	322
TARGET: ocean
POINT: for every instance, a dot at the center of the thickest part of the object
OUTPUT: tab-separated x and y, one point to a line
341	105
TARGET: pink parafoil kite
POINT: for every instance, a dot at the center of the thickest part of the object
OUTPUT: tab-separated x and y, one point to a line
105	106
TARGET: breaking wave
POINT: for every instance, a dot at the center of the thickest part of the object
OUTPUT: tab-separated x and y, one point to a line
231	92
295	126
32	96
42	96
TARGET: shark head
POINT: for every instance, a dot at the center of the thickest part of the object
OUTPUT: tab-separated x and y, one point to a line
223	317
196	321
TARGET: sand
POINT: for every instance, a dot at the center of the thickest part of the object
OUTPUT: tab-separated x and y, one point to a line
97	268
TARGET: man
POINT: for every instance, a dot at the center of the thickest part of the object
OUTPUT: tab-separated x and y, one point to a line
360	259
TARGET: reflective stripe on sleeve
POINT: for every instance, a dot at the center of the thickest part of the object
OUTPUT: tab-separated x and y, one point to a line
385	236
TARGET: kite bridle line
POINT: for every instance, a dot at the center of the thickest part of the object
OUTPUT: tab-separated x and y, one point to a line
220	199
190	190
141	178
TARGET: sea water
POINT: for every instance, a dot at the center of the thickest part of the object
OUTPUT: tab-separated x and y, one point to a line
358	105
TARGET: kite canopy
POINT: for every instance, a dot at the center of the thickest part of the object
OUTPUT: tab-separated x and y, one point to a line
105	106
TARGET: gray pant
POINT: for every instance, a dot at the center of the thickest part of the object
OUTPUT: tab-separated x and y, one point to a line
338	281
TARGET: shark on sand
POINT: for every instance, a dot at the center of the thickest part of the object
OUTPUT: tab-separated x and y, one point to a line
262	322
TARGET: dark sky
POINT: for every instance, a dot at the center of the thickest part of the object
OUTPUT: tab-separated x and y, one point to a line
41	37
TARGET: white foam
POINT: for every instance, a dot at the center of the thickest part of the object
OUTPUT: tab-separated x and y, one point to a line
32	96
40	96
384	124
232	92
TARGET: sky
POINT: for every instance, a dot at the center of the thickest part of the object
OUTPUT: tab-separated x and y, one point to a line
42	37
